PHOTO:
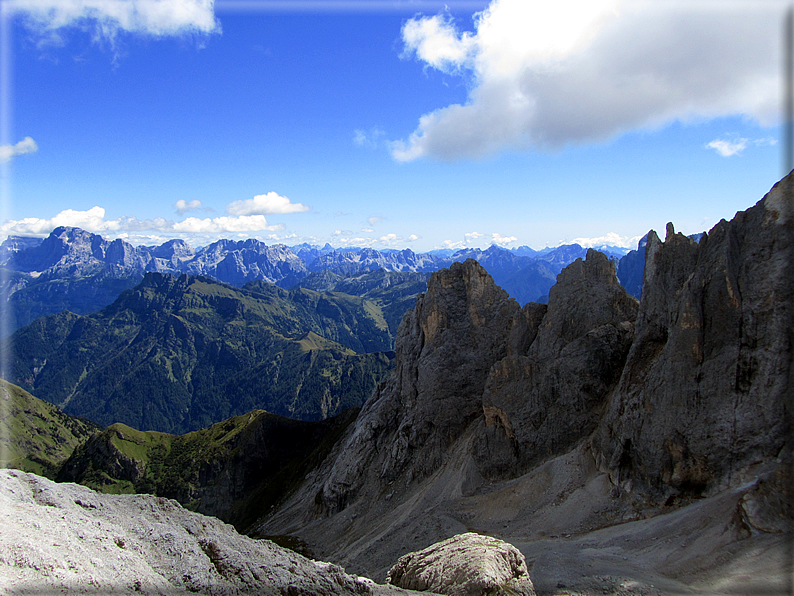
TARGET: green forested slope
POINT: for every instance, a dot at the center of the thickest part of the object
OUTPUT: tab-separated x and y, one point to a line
176	354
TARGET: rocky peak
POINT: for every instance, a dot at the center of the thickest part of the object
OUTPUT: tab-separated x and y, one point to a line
445	347
587	295
172	253
15	244
692	403
539	402
704	388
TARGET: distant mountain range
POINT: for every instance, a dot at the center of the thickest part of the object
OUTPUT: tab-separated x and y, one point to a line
82	272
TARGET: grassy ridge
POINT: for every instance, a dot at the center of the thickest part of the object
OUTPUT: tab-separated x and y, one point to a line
36	436
236	469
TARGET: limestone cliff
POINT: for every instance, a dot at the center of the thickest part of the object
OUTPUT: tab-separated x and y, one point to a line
67	539
445	348
540	403
704	390
597	409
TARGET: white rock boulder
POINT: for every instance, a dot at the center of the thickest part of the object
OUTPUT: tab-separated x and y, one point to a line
465	565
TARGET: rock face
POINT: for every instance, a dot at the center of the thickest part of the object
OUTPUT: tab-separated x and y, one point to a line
465	565
540	402
247	260
67	538
704	389
534	379
446	346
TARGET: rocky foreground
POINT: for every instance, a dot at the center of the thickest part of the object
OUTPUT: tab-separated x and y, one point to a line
65	538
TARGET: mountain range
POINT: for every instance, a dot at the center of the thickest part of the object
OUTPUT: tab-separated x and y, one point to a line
75	270
570	427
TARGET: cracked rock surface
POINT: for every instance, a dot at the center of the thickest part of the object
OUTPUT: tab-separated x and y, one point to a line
65	538
465	565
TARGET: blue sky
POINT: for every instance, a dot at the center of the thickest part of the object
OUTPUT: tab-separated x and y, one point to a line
387	124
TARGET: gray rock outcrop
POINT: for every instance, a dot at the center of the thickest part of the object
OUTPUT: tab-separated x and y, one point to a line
633	407
67	538
541	402
465	565
445	348
703	393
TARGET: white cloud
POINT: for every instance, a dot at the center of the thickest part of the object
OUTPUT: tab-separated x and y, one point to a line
413	238
451	244
268	204
367	230
390	239
500	240
183	206
470	237
107	18
375	219
342	242
728	148
435	41
549	74
26	145
93	220
242	223
609	239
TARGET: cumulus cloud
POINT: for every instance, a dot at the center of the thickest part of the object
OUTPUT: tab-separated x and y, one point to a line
549	74
183	206
470	237
451	244
390	239
242	223
727	148
375	219
500	240
609	239
26	145
413	238
435	41
271	203
106	18
93	220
